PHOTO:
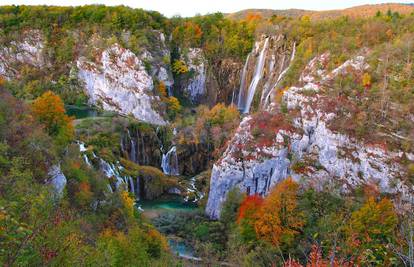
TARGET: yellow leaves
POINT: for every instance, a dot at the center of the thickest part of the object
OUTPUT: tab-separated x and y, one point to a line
366	80
220	114
278	219
179	67
162	89
49	110
156	237
128	202
375	220
173	104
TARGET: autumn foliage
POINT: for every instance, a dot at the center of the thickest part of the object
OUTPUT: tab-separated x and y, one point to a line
316	259
249	207
372	226
50	111
279	220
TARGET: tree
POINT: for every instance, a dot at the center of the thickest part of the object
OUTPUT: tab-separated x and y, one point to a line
50	111
279	219
230	207
179	67
248	215
174	106
370	228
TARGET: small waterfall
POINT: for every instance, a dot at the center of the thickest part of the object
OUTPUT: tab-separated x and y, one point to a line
131	184
243	78
133	154
169	163
257	76
113	170
170	90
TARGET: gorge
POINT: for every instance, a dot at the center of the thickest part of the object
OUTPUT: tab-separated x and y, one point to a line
257	138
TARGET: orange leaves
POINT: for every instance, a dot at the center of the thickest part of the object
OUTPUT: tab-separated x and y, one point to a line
278	219
253	17
189	34
249	207
162	89
49	110
315	259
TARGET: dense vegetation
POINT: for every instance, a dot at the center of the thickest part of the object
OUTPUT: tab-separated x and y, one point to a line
85	225
292	226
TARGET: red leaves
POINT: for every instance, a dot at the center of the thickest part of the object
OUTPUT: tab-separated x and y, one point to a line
249	207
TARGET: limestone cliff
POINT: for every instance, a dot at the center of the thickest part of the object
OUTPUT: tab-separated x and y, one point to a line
271	145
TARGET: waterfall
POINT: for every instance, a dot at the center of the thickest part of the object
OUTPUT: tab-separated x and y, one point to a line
243	84
170	90
257	76
131	184
282	74
169	163
133	153
113	170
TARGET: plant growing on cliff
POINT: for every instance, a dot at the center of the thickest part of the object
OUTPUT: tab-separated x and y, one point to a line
179	67
174	107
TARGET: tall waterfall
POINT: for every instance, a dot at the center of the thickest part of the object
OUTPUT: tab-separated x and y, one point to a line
244	105
241	100
279	78
169	163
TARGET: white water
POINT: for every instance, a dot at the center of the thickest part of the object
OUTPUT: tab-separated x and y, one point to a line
241	99
131	184
282	74
113	170
133	148
169	163
258	73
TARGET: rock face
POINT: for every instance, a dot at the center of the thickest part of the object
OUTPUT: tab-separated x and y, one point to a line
119	82
143	146
58	179
117	79
268	148
27	51
195	87
209	82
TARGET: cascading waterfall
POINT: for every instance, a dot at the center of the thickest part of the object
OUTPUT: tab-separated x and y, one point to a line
257	76
169	163
112	170
241	100
282	74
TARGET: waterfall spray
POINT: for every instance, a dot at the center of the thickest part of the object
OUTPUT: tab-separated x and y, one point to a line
169	163
258	73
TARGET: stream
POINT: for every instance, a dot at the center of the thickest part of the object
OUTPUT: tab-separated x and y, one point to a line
170	204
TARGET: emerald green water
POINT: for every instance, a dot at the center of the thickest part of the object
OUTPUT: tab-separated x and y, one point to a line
170	204
81	112
167	204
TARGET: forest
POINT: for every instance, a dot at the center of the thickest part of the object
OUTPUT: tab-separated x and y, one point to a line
112	161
